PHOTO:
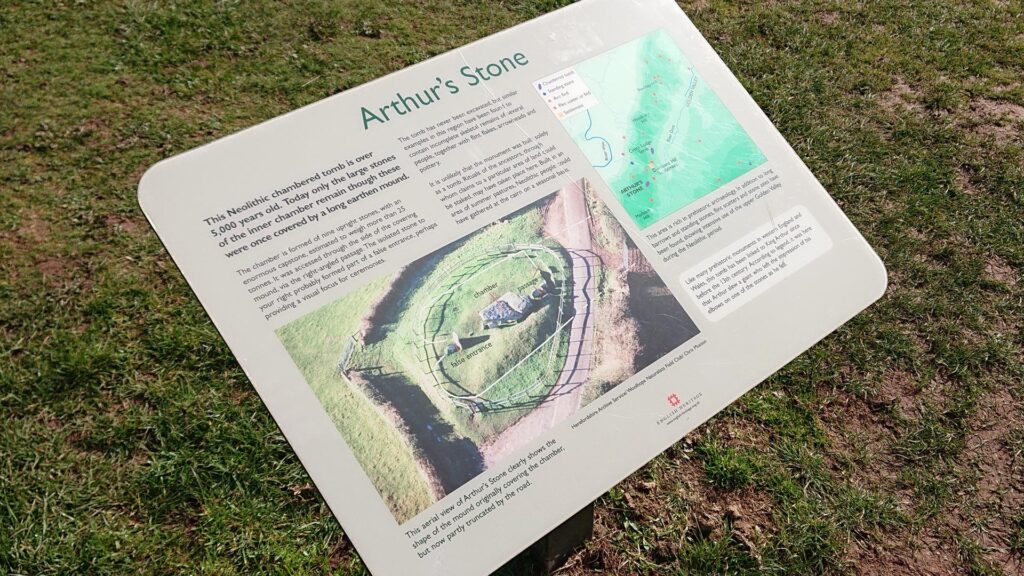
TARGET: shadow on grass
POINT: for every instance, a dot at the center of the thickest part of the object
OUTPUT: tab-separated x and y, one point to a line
455	459
664	325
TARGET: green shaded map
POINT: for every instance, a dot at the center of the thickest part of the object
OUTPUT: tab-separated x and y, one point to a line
658	134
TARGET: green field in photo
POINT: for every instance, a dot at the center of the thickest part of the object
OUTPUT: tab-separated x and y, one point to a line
499	362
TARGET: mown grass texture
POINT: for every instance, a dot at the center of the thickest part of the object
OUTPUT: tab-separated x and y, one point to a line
132	442
316	342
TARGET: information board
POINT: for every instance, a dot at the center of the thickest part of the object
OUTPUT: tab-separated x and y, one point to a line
478	292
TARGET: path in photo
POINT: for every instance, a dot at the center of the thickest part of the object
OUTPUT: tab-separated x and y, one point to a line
564	398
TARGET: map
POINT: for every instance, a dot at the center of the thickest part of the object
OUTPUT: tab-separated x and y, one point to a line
654	130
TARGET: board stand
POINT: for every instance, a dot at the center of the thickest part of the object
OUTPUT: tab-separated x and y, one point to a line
551	551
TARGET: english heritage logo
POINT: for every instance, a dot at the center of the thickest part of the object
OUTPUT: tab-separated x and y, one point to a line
679	408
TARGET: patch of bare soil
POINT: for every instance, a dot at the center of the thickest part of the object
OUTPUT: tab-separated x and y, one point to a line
989	472
31	239
999	270
862	432
964	183
987	513
738	432
1007	87
901	388
682	500
924	555
64	273
52	268
997	109
341	553
995	120
31	233
121	225
827	17
97	127
901	98
33	229
861	439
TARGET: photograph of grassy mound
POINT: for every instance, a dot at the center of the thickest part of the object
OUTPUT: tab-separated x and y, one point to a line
436	372
494	326
496	373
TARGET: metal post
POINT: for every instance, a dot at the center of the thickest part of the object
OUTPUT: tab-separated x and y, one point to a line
551	551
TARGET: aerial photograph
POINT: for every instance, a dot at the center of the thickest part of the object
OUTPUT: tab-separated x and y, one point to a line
464	356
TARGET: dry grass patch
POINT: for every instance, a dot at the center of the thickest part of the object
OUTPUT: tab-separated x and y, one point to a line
995	467
1001	271
997	121
901	98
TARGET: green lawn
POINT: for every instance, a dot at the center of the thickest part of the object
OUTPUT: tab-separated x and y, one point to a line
132	443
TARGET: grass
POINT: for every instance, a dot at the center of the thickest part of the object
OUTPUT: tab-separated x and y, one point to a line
132	441
315	343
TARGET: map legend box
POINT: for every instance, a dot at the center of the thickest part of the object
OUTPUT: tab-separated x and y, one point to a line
565	93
